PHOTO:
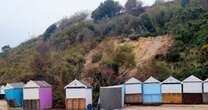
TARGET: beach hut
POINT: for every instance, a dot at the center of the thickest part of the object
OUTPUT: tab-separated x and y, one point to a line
14	94
37	95
78	95
151	91
192	90
112	97
133	91
2	93
171	90
205	91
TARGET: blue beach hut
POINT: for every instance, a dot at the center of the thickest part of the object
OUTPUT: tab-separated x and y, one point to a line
14	94
151	91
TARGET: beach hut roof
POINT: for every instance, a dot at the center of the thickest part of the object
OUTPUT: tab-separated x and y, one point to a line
115	86
151	80
2	87
78	84
192	78
171	79
14	85
206	80
132	81
37	84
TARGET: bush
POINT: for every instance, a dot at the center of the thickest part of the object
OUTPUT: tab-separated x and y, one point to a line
97	57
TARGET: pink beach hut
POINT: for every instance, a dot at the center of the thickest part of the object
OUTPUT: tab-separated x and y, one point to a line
37	95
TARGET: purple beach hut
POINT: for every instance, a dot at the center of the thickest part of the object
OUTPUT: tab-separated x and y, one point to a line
37	95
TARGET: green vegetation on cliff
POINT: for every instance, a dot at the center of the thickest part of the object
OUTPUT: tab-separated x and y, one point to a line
59	55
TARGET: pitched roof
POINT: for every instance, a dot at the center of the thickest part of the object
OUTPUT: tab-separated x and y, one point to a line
192	78
171	79
37	84
151	80
132	81
115	86
2	86
78	84
206	80
14	85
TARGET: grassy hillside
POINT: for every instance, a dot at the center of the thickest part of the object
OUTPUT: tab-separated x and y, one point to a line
108	50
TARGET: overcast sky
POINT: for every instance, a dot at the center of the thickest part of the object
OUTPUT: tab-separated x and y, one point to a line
21	20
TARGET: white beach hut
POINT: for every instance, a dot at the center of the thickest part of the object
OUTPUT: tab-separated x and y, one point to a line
171	90
133	91
78	95
192	90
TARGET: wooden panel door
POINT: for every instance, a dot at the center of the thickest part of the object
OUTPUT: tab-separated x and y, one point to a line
133	98
75	104
172	98
31	105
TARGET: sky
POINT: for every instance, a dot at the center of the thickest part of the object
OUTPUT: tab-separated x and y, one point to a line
21	20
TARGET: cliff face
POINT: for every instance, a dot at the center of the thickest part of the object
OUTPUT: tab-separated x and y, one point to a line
145	50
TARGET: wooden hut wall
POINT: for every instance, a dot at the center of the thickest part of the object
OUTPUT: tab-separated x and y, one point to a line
31	99
75	104
133	93
171	93
31	105
205	92
192	98
78	97
192	93
133	98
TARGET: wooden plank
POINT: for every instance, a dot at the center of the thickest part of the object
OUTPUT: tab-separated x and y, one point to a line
31	105
133	98
171	98
192	98
75	104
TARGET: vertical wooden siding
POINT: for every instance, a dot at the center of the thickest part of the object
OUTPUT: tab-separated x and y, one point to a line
133	98
192	98
31	105
172	98
205	98
75	104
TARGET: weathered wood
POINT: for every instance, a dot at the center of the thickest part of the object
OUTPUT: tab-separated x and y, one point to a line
31	105
172	98
75	104
192	98
133	98
205	98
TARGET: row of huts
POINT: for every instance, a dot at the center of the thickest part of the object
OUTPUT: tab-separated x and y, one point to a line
37	95
34	95
192	90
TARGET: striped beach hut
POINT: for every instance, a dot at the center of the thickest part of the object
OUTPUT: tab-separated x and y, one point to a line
112	97
192	90
205	91
37	95
151	91
171	90
14	94
78	95
133	91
